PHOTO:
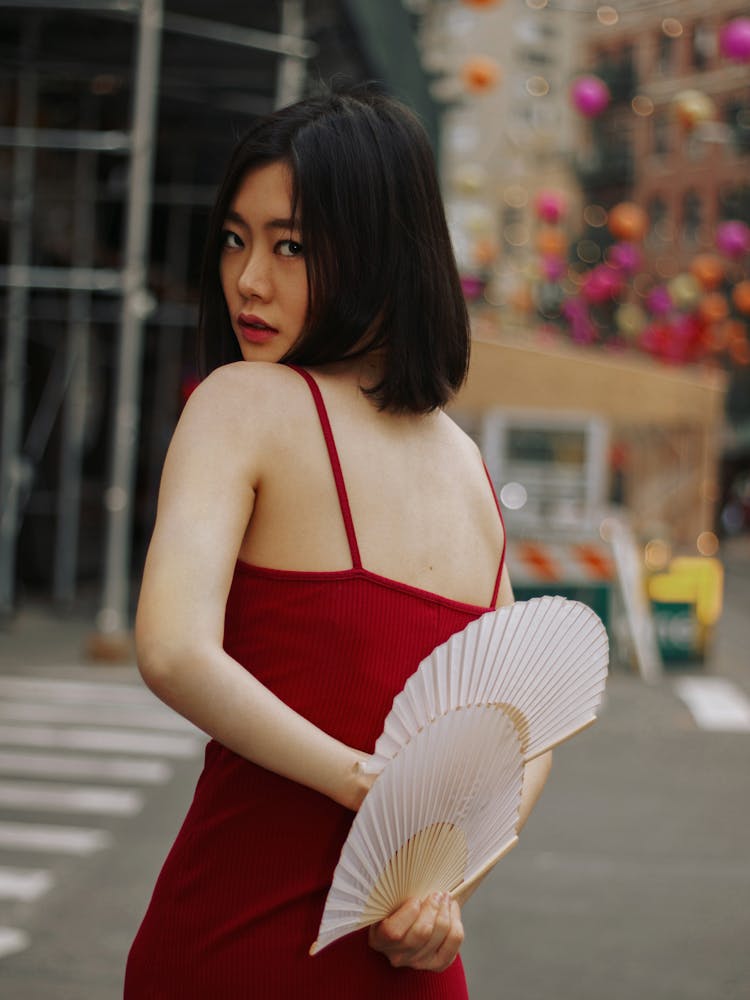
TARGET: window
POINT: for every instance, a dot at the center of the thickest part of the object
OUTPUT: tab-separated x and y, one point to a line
665	60
737	118
658	214
703	46
661	133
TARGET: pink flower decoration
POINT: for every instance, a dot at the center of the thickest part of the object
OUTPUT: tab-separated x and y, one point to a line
472	287
550	206
733	238
734	39
601	284
589	95
626	256
658	301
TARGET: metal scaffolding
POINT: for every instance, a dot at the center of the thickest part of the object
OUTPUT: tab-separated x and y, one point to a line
66	388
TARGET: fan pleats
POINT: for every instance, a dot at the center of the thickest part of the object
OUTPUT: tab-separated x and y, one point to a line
510	686
447	802
544	661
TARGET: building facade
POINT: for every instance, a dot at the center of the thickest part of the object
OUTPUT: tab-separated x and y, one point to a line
676	136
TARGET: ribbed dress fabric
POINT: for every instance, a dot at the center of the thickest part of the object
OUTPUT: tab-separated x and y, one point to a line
240	896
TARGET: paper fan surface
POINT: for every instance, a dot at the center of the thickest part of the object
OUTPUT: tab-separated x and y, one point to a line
543	661
442	811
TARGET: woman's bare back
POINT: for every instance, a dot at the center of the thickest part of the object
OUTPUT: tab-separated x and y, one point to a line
421	504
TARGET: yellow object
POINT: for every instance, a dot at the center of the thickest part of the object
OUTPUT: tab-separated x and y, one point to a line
693	580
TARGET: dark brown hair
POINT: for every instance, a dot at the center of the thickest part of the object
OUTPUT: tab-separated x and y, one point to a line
377	250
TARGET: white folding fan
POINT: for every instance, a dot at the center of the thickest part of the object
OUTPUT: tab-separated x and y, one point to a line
543	661
444	809
442	812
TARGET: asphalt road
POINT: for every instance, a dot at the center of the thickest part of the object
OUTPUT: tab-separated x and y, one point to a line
631	880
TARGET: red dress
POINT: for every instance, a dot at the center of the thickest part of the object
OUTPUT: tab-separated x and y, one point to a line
239	899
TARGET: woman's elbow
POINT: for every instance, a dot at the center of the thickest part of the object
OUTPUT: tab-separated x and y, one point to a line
160	659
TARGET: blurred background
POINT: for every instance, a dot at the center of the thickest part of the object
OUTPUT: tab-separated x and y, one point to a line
595	168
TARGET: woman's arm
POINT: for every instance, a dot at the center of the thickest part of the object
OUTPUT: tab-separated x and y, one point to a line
209	483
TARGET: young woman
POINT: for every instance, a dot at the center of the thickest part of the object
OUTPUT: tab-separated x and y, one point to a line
322	526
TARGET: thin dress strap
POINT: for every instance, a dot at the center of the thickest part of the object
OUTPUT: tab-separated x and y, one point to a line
502	554
333	456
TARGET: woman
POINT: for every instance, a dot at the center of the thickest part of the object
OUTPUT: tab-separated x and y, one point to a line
322	526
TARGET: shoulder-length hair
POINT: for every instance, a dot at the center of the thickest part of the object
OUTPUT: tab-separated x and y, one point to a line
380	265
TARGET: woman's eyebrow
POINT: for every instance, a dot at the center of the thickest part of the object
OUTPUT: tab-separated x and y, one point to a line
286	224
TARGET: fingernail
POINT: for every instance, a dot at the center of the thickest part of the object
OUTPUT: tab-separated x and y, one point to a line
436	898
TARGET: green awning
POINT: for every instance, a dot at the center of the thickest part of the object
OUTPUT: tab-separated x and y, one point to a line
386	35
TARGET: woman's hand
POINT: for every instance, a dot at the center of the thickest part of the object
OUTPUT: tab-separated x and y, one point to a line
424	935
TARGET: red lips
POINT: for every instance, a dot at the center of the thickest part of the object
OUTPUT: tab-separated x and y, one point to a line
254	329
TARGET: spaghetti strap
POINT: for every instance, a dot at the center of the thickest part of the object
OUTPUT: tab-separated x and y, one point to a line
502	554
335	464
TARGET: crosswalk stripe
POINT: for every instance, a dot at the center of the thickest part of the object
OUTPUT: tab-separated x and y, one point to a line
76	691
70	798
25	884
144	771
142	716
12	941
118	741
715	703
62	839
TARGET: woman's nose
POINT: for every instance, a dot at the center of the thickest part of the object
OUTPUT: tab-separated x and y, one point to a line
254	280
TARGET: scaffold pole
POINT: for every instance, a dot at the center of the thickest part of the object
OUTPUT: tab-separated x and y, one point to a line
113	617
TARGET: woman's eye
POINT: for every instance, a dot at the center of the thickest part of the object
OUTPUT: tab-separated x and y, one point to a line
231	240
289	248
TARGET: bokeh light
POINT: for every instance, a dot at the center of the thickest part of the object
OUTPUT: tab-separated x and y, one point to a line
642	105
595	216
588	251
607	15
516	195
537	86
671	27
707	543
513	496
516	235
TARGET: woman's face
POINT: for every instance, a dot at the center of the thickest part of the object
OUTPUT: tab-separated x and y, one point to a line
262	265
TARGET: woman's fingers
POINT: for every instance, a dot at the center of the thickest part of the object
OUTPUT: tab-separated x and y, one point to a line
430	929
445	954
445	941
422	936
389	933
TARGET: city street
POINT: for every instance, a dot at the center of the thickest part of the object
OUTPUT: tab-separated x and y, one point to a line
631	880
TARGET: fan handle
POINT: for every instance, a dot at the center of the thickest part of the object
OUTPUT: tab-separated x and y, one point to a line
463	891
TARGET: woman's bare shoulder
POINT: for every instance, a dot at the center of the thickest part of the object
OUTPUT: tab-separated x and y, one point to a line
459	438
246	389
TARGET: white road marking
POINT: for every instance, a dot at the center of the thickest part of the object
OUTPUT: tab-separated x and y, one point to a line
12	941
146	772
70	798
141	716
715	703
62	839
26	884
76	691
101	732
117	741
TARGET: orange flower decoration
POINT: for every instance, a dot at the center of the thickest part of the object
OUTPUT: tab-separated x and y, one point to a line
480	74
